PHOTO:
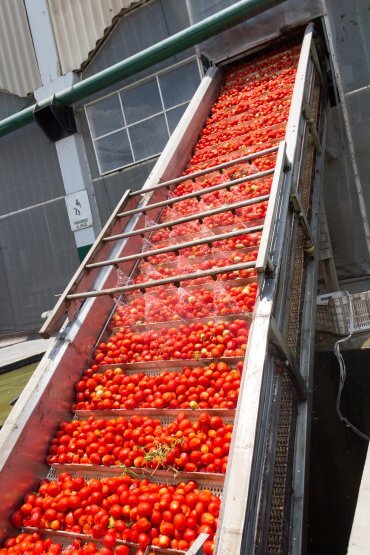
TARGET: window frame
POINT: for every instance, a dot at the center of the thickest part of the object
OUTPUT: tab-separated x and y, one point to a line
154	76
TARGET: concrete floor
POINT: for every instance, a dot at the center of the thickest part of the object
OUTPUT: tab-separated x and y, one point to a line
19	356
12	384
18	351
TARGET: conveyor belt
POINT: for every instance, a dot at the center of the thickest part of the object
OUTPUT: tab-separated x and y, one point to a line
186	323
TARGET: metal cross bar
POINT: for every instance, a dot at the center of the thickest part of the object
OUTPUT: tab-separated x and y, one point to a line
307	113
291	366
197	194
310	245
199	173
198	216
263	259
316	61
177	247
165	281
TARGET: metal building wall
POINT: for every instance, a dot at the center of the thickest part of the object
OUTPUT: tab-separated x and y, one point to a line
79	25
19	73
350	24
265	26
37	249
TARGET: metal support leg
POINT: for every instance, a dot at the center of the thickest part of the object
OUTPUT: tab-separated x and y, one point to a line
307	113
326	259
293	371
295	201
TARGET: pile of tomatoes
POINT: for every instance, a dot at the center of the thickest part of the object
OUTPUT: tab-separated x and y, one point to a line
123	508
175	304
144	442
213	386
212	339
34	544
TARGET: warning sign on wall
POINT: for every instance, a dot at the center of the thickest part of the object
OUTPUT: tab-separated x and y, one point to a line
78	208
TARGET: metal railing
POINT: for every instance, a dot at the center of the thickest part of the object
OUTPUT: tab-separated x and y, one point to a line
165	281
210	169
193	217
176	247
197	194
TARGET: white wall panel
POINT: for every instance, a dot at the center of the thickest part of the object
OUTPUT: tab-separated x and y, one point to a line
19	72
79	25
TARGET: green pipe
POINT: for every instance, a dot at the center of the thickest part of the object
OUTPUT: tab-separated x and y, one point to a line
174	44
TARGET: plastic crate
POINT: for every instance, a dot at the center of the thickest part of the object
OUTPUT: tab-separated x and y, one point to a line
333	312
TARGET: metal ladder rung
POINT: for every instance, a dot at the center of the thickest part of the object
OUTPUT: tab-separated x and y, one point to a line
198	216
176	247
155	283
197	194
211	169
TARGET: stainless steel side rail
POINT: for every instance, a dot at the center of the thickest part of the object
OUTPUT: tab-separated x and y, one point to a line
200	173
177	247
197	216
197	194
264	259
165	281
244	477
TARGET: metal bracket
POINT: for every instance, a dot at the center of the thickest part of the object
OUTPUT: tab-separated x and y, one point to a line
269	265
331	152
278	340
295	202
307	114
316	61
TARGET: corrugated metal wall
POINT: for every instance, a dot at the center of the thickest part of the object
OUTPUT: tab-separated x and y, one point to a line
78	25
350	23
37	249
29	168
39	256
19	72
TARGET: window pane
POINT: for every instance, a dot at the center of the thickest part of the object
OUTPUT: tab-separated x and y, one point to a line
179	85
148	137
105	116
174	115
141	102
113	151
